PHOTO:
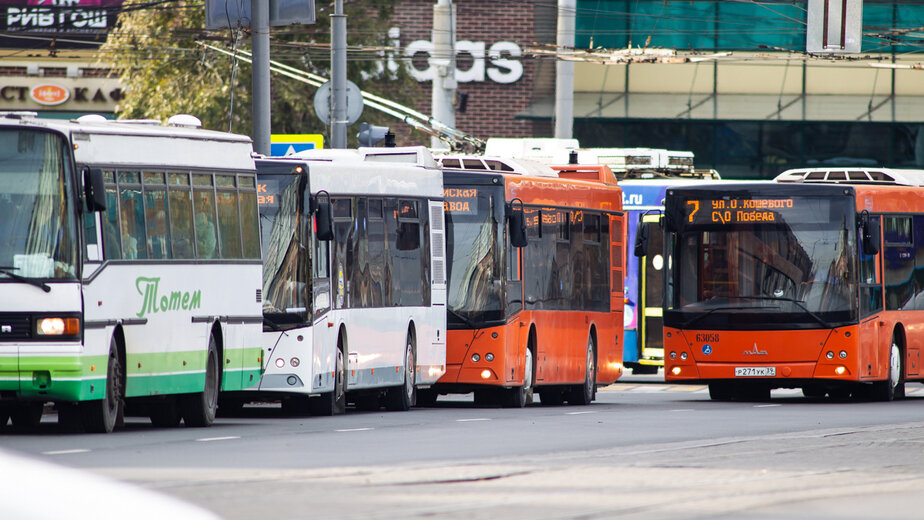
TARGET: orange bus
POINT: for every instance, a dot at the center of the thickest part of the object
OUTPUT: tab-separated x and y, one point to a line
813	281
535	279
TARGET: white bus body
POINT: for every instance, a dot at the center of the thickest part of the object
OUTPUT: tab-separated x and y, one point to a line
363	307
149	318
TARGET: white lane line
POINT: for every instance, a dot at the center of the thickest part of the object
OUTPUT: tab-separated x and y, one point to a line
64	452
473	420
210	439
766	405
354	430
684	410
578	413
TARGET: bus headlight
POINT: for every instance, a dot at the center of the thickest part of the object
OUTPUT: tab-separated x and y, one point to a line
476	358
57	326
843	354
830	355
294	362
683	355
673	355
280	362
489	357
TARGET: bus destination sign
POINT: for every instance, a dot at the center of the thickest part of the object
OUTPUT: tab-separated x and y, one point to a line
461	201
756	210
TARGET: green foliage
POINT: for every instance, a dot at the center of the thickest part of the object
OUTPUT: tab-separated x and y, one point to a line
165	71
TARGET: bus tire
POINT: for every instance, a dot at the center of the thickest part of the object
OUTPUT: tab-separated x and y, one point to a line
402	398
894	385
584	394
27	416
102	415
165	414
522	395
334	402
199	409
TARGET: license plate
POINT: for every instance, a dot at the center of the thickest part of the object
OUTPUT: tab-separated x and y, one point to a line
755	371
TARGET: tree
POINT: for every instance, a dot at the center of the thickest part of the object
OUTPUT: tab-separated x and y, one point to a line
155	48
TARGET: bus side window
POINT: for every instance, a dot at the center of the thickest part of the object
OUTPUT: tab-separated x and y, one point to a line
180	215
250	221
204	210
134	244
112	242
155	207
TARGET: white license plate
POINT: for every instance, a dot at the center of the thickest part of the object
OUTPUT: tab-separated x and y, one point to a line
755	371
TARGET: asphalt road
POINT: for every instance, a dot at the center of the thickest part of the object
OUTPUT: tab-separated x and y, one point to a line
644	449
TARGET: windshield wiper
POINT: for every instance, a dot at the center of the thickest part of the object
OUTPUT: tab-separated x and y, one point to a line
31	281
799	303
463	319
698	317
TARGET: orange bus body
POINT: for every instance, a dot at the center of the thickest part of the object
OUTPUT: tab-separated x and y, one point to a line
558	338
849	359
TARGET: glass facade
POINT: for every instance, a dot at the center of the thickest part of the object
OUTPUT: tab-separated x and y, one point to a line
718	25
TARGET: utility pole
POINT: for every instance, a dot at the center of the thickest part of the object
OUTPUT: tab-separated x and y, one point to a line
338	77
443	61
564	71
261	76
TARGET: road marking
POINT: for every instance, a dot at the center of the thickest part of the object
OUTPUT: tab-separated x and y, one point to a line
473	420
64	452
578	413
354	430
210	439
684	410
766	405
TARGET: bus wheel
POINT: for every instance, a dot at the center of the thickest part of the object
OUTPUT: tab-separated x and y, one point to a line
199	409
522	395
402	398
165	414
27	416
584	394
894	385
102	415
333	403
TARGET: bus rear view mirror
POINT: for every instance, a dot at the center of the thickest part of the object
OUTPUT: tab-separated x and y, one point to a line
872	236
323	218
517	223
94	192
641	240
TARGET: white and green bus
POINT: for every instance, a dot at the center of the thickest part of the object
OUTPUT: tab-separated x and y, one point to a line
354	279
130	270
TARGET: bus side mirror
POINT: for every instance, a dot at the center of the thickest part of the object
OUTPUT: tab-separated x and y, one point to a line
641	240
872	235
517	223
323	220
93	189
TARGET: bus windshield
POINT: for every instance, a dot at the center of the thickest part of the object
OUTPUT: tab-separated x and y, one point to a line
800	271
285	239
38	233
473	219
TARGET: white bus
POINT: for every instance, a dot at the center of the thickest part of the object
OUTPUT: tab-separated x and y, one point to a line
354	279
119	242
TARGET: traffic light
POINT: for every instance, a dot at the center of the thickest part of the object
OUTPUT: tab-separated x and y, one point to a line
371	135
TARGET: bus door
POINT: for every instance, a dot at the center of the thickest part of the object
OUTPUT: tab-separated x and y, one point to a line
514	305
870	311
650	295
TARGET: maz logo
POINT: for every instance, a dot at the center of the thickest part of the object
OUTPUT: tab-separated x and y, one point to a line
755	352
